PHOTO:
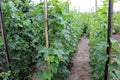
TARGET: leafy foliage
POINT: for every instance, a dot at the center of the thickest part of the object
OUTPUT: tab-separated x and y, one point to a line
116	25
63	37
98	46
25	34
24	23
5	75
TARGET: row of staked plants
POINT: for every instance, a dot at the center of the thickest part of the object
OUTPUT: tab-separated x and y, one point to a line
24	23
98	44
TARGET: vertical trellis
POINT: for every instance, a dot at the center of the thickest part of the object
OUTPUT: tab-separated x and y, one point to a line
4	36
110	22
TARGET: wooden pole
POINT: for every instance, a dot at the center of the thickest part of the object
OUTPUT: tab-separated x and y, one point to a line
79	9
96	4
74	7
110	23
46	23
4	36
46	27
40	1
68	6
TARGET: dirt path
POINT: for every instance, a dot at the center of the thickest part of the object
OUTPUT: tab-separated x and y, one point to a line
80	61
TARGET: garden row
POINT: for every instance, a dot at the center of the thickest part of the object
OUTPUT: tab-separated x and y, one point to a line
24	23
98	44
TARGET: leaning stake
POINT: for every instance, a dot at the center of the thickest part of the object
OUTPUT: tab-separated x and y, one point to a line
110	22
4	36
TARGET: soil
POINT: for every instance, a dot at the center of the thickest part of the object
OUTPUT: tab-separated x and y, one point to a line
80	61
117	37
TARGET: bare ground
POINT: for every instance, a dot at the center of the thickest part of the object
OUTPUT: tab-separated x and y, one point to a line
80	61
117	37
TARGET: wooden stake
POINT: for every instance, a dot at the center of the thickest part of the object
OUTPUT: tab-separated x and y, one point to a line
110	23
79	9
96	4
46	23
4	36
74	7
68	5
46	27
40	1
